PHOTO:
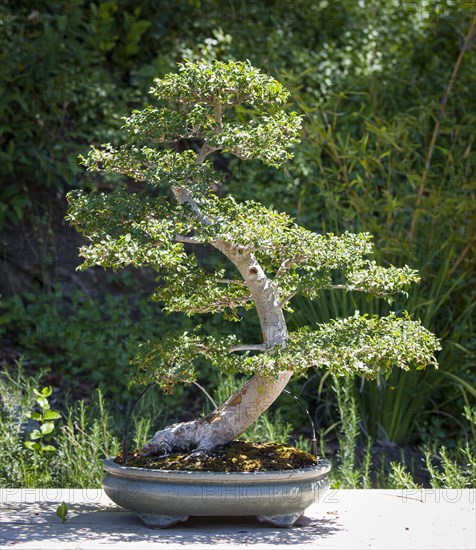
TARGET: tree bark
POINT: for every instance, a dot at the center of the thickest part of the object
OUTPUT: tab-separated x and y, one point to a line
246	405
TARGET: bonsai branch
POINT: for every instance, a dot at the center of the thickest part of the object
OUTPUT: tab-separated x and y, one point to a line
230	281
283	302
187	240
289	264
204	151
231	303
182	194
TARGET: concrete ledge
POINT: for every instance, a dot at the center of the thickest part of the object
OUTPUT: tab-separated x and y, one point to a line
346	519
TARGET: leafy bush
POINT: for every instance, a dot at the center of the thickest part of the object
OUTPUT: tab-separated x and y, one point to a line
69	71
370	93
84	342
369	79
86	434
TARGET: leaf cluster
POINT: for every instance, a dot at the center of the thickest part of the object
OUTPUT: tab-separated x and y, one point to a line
362	345
199	103
141	229
227	83
39	439
301	261
127	229
192	289
172	359
157	167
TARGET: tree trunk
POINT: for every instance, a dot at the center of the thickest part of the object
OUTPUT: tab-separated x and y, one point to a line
245	406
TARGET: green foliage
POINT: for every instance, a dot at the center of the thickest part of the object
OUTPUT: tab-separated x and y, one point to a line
302	261
205	91
128	228
62	512
84	436
138	230
349	431
12	204
39	440
88	433
69	71
363	345
201	109
394	409
171	360
86	341
367	133
368	346
348	473
400	478
232	83
369	79
194	289
164	168
455	468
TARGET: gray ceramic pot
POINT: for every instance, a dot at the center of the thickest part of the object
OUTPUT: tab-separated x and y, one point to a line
163	497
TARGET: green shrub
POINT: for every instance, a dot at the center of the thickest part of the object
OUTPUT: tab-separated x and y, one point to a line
86	434
369	79
86	342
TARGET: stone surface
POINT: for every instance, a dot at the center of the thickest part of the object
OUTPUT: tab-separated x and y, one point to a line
346	519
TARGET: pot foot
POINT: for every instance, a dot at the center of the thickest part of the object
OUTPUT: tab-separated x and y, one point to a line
158	521
281	520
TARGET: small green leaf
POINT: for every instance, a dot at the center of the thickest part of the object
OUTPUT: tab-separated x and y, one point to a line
50	415
34	415
32	445
62	511
43	402
47	391
47	428
35	434
48	448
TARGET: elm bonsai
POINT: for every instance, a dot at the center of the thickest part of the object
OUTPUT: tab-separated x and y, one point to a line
231	107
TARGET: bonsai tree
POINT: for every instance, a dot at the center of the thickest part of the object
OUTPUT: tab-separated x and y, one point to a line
265	258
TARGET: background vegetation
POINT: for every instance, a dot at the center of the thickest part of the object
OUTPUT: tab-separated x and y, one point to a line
374	81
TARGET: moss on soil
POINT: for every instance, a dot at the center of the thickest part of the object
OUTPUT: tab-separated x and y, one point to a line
237	456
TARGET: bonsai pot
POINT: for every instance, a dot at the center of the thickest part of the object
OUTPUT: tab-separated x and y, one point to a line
162	498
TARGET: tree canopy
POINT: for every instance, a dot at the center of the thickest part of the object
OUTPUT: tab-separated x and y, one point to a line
231	107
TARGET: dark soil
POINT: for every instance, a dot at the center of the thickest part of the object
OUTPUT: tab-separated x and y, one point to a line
237	456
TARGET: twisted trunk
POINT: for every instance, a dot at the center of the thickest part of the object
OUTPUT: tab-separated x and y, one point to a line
246	405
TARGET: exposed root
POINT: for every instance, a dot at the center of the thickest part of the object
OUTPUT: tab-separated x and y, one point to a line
197	434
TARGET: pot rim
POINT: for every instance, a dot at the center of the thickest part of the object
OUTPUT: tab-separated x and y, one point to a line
194	476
